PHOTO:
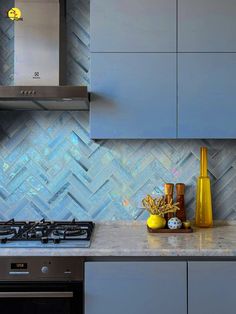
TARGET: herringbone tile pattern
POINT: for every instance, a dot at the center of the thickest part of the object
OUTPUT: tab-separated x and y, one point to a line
50	168
78	40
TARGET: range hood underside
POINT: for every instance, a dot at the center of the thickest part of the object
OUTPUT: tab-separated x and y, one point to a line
44	98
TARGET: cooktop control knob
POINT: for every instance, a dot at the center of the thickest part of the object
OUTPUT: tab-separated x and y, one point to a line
44	269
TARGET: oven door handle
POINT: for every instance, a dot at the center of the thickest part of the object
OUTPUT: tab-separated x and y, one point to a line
37	294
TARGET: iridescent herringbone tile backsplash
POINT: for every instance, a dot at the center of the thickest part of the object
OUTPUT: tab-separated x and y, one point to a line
50	168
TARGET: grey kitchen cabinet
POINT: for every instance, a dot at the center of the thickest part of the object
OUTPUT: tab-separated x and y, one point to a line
211	287
207	25
135	287
133	26
206	95
133	95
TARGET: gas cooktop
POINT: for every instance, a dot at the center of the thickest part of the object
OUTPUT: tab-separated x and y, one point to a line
46	233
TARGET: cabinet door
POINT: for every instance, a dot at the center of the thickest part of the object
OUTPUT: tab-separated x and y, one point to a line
133	25
207	93
212	287
133	95
135	287
207	25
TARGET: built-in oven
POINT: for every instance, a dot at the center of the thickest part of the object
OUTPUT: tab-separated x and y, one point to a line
41	285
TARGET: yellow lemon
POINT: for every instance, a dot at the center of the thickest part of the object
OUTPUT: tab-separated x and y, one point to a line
156	222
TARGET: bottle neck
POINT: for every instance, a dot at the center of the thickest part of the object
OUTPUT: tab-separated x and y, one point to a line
203	162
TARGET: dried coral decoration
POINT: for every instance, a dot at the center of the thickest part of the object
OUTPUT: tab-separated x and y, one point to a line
157	207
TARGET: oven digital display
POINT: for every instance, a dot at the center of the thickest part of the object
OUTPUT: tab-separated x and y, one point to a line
18	266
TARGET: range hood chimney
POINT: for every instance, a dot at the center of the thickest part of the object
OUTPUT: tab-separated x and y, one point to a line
38	54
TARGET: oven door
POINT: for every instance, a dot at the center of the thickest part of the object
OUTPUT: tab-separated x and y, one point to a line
38	297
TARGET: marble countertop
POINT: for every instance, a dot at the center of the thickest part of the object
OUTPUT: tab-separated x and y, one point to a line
132	239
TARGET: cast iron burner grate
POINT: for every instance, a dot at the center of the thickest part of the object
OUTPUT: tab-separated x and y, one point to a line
7	231
46	231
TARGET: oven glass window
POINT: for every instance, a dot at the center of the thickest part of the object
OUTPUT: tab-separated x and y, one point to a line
35	306
41	298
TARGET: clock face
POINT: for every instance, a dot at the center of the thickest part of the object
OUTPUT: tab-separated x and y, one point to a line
14	14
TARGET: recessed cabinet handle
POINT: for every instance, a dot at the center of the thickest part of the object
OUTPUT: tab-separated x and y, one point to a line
36	294
19	273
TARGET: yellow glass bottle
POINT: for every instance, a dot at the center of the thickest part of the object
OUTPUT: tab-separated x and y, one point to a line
203	202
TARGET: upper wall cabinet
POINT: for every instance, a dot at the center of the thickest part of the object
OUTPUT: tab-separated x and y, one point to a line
133	95
207	25
207	94
133	25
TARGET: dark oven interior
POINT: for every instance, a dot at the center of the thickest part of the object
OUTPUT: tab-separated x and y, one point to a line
41	298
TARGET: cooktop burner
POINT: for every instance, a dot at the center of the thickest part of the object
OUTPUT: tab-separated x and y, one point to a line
46	233
6	231
69	231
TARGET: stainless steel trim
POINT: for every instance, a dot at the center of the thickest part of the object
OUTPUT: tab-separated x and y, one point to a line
57	266
40	294
44	98
19	273
43	92
37	63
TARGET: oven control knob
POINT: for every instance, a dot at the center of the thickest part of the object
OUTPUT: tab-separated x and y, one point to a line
44	269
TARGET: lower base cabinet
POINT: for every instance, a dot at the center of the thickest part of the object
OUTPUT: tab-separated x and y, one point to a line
135	287
211	287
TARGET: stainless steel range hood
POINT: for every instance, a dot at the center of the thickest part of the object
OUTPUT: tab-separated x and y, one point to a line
39	61
43	98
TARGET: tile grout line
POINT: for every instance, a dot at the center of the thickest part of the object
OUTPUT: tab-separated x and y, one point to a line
187	287
177	71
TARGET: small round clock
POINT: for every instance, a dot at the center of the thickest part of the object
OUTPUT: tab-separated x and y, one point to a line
14	14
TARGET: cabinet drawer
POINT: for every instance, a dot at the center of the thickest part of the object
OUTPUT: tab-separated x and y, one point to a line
133	95
133	26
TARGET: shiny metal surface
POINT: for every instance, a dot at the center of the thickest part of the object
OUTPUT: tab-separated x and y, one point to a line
39	61
37	42
58	269
44	98
45	234
40	294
